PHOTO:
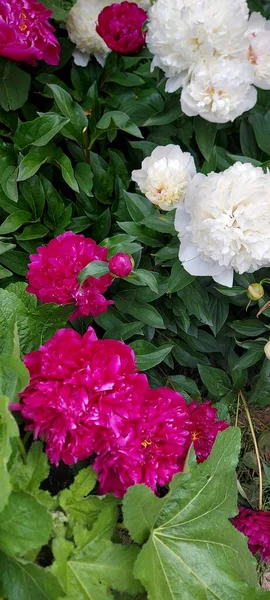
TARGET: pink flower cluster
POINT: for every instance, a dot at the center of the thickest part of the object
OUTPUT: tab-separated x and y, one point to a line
53	273
256	526
121	27
25	32
86	396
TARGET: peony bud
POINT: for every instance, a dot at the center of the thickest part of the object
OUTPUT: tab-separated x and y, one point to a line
121	265
255	291
267	350
120	26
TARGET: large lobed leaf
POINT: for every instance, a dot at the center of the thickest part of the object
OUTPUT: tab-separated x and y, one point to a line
193	551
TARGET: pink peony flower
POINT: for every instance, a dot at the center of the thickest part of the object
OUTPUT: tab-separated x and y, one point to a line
147	449
121	264
25	32
120	26
53	274
256	526
81	390
203	428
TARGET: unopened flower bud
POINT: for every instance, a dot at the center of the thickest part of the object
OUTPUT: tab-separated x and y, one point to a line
267	350
121	265
255	291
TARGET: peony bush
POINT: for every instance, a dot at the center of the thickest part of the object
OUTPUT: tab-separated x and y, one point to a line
134	300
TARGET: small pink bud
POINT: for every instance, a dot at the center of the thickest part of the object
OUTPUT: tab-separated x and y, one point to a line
121	265
255	291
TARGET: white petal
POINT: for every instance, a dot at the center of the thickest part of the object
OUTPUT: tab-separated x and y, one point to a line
198	266
101	59
225	278
81	59
181	220
188	251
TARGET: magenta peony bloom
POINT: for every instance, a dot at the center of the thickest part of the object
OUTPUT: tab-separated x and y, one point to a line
120	26
80	389
53	274
256	526
203	429
148	448
121	264
25	32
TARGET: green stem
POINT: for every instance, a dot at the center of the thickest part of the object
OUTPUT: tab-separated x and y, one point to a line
22	449
255	448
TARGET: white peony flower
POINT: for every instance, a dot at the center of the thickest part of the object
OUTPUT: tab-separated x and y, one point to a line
224	225
165	175
81	26
219	90
184	31
267	350
258	35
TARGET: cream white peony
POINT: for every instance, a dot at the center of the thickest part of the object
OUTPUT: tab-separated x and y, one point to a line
81	26
224	225
219	90
184	31
258	35
165	175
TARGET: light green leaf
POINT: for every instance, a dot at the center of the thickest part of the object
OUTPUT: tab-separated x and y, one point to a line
68	107
193	549
25	524
40	131
79	506
144	277
28	476
32	162
148	355
21	580
96	566
8	430
66	169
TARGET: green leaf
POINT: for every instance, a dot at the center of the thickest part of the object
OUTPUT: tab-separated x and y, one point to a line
179	278
25	524
260	393
138	206
205	135
251	357
68	107
66	169
33	232
40	131
140	510
14	85
96	566
84	177
162	223
76	502
216	381
124	332
96	269
53	199
14	376
183	384
193	548
8	430
261	127
33	193
196	300
144	277
139	310
32	162
148	355
21	580
29	475
120	120
60	8
249	327
16	261
14	221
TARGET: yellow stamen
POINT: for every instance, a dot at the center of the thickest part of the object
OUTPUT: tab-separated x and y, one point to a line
146	443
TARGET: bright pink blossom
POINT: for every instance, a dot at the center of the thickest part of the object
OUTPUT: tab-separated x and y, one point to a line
121	264
256	526
53	274
120	26
148	449
80	385
203	428
25	32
